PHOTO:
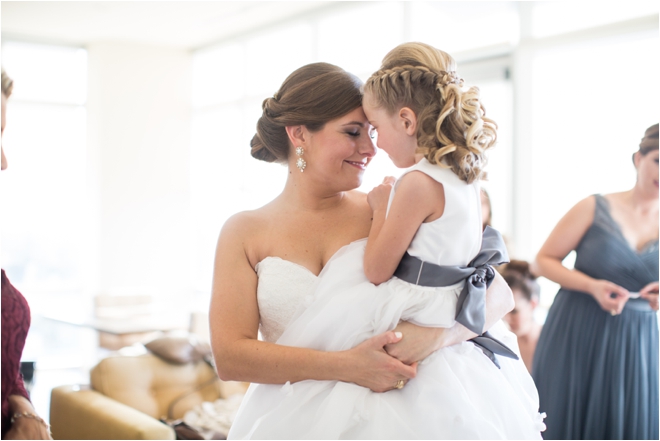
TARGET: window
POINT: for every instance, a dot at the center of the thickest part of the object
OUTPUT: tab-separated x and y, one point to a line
592	104
230	82
375	28
462	26
552	17
44	225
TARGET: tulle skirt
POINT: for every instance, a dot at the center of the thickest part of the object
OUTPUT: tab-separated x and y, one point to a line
458	392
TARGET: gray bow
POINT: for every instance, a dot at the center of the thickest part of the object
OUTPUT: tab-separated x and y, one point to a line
478	275
471	306
490	346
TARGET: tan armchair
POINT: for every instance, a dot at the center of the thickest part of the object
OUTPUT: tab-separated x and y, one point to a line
128	395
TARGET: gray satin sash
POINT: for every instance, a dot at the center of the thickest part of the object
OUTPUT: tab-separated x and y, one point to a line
478	275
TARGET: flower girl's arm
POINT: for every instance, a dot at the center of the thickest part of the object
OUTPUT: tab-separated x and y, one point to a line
418	342
234	322
418	198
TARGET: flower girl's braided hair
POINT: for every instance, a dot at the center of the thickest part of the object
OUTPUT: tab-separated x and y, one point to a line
452	126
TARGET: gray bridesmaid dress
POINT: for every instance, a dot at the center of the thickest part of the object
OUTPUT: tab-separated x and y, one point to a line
597	374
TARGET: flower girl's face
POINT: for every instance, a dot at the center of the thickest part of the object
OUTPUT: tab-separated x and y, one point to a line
393	135
338	154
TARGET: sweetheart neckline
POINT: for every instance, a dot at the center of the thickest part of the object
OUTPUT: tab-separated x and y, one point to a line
646	247
336	253
290	262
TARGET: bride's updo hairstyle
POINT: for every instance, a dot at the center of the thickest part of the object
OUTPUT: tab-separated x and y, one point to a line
452	128
310	96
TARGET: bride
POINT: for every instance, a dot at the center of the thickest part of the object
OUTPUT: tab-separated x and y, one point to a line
268	260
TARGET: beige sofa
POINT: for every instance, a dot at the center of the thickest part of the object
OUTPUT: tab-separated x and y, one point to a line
129	394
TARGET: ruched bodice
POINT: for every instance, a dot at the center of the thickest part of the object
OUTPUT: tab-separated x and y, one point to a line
281	288
604	253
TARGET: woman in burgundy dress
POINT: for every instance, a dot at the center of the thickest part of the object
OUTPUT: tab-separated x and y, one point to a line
19	419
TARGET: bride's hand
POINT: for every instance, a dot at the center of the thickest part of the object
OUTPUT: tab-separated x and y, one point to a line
414	345
373	368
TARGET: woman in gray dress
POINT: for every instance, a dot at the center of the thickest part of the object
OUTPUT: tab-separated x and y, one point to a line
596	363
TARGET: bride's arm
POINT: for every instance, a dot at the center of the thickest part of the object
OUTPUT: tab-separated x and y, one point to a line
418	342
240	356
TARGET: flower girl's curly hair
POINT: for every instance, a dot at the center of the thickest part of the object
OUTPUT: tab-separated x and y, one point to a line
453	130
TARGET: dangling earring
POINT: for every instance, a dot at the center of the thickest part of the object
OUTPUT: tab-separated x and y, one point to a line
300	163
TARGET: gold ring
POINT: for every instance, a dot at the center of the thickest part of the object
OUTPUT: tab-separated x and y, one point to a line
400	384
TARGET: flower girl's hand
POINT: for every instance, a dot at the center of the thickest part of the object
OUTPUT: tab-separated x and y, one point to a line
379	196
610	296
372	368
418	343
650	293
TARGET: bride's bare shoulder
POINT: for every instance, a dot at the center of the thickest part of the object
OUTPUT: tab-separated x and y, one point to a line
244	234
246	223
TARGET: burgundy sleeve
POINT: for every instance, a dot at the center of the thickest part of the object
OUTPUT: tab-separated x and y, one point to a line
15	325
19	386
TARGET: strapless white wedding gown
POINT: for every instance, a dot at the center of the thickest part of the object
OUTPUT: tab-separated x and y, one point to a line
458	393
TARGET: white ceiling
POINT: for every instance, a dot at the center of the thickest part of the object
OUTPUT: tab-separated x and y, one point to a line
181	24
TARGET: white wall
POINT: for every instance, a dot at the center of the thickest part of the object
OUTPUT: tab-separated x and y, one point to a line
138	179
